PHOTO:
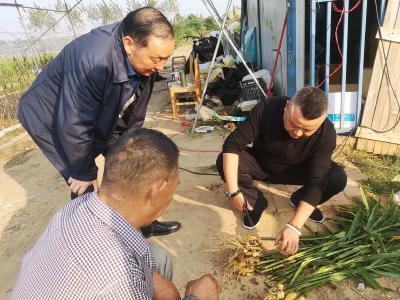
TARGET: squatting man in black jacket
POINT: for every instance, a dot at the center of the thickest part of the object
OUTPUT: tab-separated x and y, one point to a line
293	142
98	87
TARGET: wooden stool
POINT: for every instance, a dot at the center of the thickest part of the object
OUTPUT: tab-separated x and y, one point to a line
193	88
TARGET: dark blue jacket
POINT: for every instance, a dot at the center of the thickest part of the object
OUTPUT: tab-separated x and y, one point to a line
72	107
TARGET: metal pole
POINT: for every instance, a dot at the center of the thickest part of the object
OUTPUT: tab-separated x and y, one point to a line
259	33
30	7
211	65
220	20
291	48
312	43
344	70
215	16
328	45
26	33
69	18
361	62
382	12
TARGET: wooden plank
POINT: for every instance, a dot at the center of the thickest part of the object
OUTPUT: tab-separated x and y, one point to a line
374	89
392	86
381	109
387	98
375	147
369	134
385	148
374	92
378	147
361	144
390	35
392	149
391	14
370	146
381	113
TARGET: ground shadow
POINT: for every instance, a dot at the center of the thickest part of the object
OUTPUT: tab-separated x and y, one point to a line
32	192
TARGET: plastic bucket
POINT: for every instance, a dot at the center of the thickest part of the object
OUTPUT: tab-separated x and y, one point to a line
349	115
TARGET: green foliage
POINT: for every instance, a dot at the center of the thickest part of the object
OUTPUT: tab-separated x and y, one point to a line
210	24
380	171
168	7
75	15
104	12
40	19
367	246
16	74
193	25
236	34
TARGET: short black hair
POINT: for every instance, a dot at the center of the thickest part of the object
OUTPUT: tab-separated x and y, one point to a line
312	101
141	23
139	158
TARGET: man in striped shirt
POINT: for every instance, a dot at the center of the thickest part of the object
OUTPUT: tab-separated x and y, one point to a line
93	248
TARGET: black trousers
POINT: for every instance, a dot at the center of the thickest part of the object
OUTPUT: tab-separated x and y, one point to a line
249	170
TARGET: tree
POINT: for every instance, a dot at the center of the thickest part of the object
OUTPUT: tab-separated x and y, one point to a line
168	7
104	13
210	24
40	19
75	15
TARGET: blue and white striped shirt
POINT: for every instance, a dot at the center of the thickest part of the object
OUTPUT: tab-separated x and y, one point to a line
88	251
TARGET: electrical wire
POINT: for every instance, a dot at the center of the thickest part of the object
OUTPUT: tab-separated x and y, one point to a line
339	149
186	125
198	173
385	71
387	75
341	11
52	26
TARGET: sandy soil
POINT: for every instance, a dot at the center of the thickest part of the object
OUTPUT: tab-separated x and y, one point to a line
31	191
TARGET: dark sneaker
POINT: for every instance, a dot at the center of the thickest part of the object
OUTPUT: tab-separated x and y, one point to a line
316	216
255	214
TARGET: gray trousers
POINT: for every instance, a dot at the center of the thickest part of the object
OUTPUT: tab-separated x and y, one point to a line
163	261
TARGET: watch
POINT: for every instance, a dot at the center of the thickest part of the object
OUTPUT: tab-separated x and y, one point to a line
232	195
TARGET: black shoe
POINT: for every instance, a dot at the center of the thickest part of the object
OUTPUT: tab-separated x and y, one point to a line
255	214
160	228
316	216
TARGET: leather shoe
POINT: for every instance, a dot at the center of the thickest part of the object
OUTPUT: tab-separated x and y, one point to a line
160	228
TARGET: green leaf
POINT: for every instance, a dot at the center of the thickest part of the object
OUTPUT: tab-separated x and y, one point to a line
393	274
354	226
371	281
364	199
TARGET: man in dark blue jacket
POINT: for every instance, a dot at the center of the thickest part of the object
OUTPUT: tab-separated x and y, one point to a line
94	90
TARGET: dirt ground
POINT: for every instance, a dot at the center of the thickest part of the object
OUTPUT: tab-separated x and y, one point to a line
31	191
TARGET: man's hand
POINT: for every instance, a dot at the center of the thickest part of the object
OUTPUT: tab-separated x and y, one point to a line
238	203
164	289
287	241
204	288
78	187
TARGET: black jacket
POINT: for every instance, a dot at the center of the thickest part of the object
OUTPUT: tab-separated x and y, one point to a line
72	107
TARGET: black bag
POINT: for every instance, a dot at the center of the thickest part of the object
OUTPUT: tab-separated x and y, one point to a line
204	47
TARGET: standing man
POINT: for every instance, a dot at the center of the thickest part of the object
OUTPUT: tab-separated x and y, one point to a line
92	249
94	90
293	142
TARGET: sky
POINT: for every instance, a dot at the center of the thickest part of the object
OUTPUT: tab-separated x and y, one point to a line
9	25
